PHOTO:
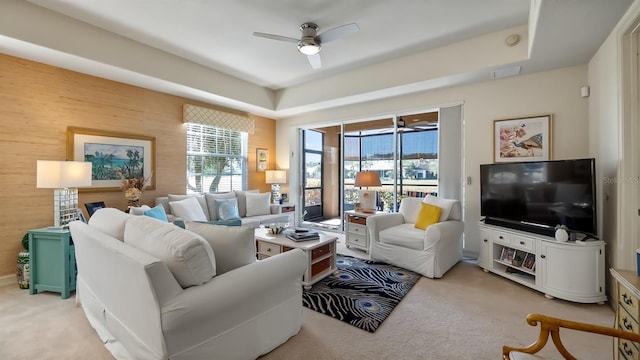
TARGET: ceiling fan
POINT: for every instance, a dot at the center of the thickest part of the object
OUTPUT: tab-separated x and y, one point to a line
311	42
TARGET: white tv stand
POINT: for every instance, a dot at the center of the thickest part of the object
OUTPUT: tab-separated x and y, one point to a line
565	270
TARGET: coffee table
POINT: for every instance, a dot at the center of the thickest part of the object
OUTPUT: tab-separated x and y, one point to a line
321	254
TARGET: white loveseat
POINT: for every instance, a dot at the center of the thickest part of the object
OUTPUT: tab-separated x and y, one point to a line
254	208
430	252
187	305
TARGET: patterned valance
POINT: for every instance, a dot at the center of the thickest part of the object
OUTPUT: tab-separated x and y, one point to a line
220	119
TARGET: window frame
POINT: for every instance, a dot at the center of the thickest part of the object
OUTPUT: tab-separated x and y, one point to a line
200	135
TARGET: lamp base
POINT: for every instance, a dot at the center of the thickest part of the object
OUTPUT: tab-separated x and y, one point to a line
275	193
368	201
65	204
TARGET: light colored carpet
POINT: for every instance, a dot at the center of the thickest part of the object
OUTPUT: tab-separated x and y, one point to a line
468	314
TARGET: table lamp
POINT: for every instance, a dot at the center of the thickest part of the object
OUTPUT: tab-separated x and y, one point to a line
275	178
64	177
367	197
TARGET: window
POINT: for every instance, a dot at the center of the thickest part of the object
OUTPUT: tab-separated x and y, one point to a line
216	159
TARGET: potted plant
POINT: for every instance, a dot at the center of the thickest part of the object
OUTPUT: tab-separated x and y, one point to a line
517	260
562	233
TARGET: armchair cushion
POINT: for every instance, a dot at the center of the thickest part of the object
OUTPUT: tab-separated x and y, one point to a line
405	235
428	215
447	205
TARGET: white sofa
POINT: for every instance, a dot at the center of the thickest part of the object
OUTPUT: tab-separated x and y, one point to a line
141	308
252	212
430	252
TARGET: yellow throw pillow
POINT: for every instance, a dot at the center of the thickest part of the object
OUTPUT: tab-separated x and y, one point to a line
428	215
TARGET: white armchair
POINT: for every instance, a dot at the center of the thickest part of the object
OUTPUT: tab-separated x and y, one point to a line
430	252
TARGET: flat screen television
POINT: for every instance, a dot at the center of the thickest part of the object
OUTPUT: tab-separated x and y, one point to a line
537	196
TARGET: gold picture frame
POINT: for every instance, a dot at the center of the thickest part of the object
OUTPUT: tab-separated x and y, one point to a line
522	139
110	152
262	160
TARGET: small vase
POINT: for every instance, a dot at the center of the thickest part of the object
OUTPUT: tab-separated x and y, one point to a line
562	235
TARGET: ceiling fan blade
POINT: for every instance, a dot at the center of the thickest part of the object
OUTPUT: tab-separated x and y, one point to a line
338	32
276	37
315	61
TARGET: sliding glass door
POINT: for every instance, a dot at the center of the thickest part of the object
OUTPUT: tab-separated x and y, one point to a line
313	174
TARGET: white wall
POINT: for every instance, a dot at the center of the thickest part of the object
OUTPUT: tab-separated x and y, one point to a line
614	142
556	92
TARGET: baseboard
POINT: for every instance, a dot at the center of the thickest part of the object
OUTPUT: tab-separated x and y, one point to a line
7	280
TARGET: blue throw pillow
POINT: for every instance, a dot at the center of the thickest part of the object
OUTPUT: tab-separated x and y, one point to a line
157	212
227	209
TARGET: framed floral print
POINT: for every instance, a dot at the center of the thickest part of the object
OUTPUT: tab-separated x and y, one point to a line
522	139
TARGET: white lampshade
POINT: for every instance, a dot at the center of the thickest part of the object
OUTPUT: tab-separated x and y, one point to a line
276	177
63	174
65	177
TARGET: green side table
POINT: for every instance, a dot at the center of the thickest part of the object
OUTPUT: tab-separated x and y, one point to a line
52	261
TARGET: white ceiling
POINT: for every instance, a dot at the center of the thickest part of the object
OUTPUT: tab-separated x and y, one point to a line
205	49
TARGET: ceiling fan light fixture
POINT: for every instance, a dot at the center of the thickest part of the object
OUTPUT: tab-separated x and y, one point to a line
309	47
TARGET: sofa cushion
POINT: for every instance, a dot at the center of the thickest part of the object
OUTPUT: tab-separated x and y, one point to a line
450	208
242	201
157	212
227	209
211	203
234	222
258	204
405	235
233	247
188	209
188	256
110	221
428	215
201	200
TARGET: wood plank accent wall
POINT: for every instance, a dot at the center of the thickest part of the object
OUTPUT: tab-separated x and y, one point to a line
38	102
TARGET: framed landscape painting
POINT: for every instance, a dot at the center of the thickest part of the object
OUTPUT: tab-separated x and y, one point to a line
112	154
522	139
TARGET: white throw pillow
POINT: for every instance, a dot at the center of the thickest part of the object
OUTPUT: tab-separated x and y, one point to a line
242	201
188	209
211	202
258	204
201	200
138	210
233	246
445	204
188	256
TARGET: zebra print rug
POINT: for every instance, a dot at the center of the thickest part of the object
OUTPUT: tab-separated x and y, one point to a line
362	292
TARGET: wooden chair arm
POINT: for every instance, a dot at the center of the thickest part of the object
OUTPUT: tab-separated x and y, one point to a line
551	325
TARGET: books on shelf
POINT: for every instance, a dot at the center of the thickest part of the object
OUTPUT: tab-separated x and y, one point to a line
301	234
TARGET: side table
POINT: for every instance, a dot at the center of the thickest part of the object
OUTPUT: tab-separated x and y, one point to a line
289	209
356	234
52	260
